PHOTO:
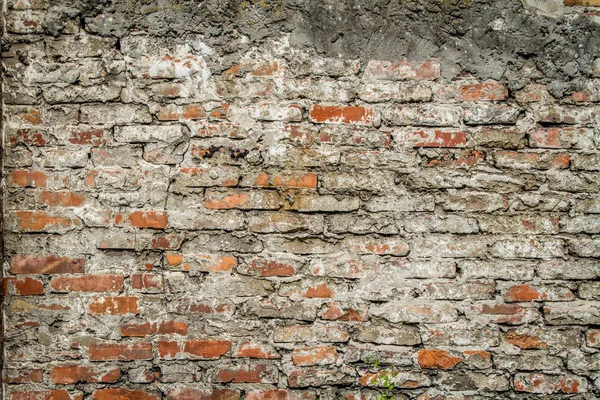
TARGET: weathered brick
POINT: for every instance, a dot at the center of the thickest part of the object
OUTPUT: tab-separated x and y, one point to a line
310	333
449	247
521	160
556	138
403	379
402	69
415	312
505	138
528	292
172	112
56	394
147	283
88	283
376	92
437	359
23	376
491	114
528	248
549	384
565	114
486	91
72	374
25	286
193	349
501	313
433	138
401	335
254	373
124	394
450	290
51	264
257	350
319	376
149	134
276	112
423	115
203	394
242	200
114	114
289	180
120	351
378	246
118	305
40	221
356	115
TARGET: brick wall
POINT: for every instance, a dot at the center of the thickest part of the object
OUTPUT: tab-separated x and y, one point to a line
183	224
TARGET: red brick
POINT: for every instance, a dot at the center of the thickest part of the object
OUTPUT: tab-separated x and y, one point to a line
335	311
145	219
152	328
124	394
89	137
437	359
482	91
52	264
296	180
504	313
25	178
527	292
205	394
72	374
61	199
31	137
208	262
549	384
234	199
32	116
39	221
257	350
316	355
266	267
25	286
44	395
200	349
436	138
167	241
119	305
172	112
313	291
220	112
591	3
592	338
88	283
257	373
120	351
274	394
341	115
524	341
547	160
23	376
150	283
555	138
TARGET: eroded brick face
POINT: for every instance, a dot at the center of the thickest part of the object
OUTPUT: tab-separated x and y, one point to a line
187	219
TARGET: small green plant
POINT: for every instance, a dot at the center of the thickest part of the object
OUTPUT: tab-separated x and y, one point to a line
385	378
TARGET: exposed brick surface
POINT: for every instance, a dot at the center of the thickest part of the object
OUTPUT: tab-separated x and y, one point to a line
190	216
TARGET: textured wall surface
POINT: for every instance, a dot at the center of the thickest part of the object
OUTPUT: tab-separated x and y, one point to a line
259	199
